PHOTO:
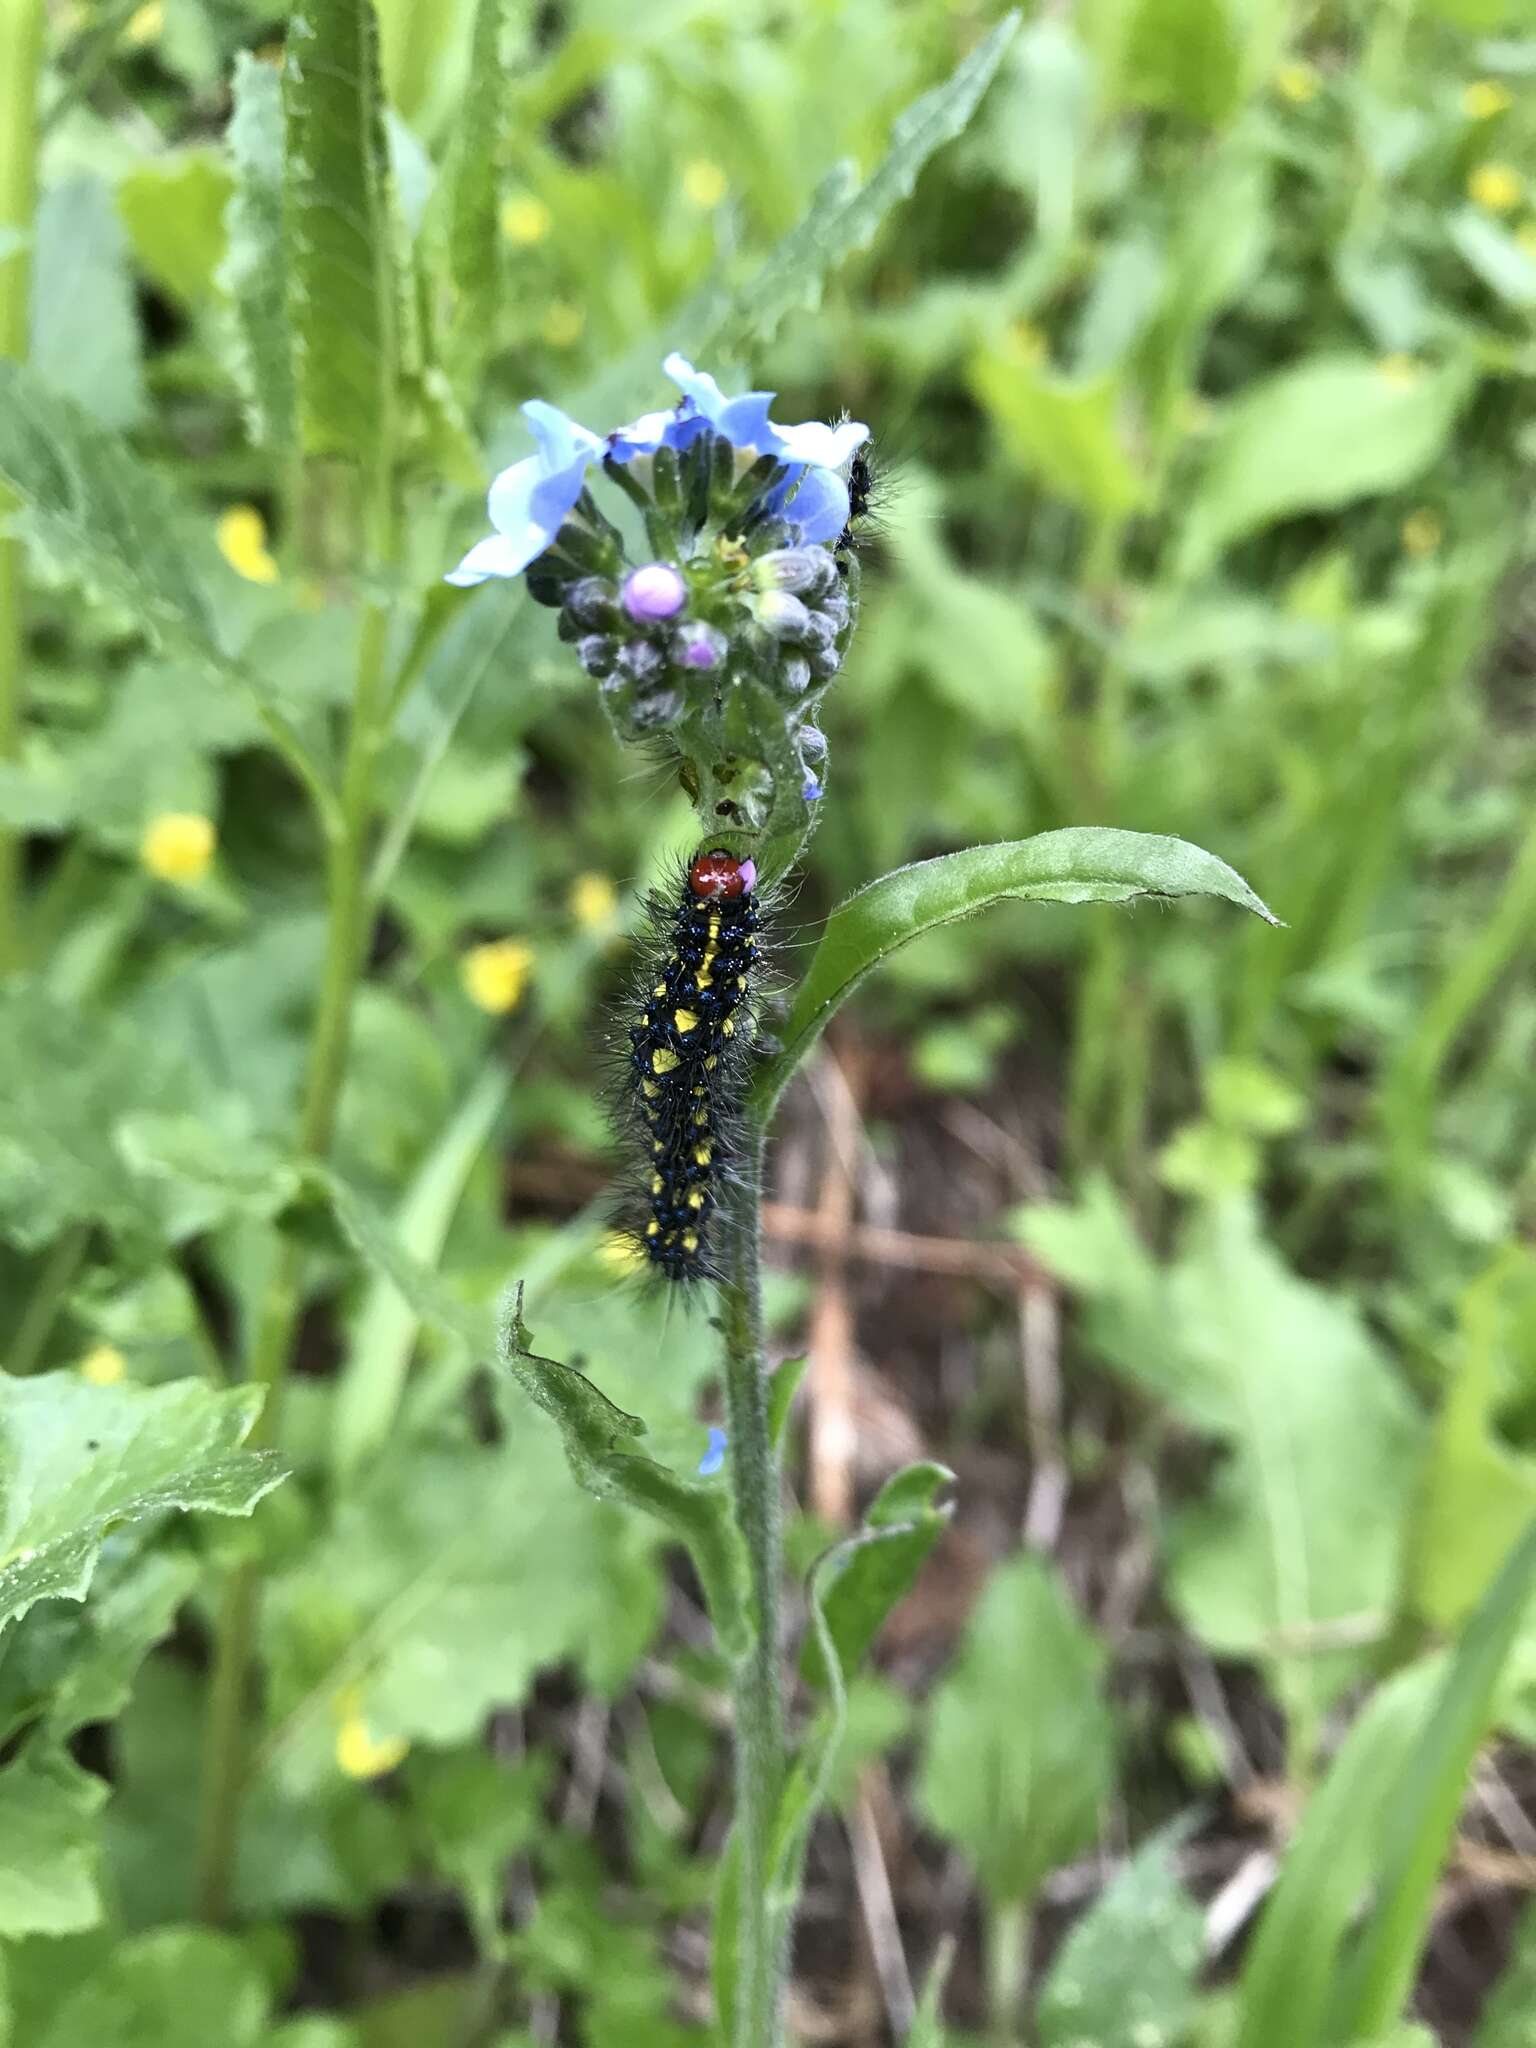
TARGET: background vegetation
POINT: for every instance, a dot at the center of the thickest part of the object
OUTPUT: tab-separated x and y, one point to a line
1202	366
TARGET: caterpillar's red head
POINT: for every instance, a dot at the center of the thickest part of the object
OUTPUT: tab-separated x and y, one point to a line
719	873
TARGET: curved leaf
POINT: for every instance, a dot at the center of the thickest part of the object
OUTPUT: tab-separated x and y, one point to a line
860	1581
1081	864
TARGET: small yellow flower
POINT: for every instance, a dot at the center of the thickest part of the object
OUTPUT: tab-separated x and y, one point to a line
704	183
1297	82
104	1366
495	974
563	324
1423	532
1401	370
145	23
1498	187
362	1754
178	846
525	219
619	1252
593	900
1485	98
242	538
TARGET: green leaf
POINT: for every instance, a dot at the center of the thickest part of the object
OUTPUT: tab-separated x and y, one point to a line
215	1168
928	2020
1019	1755
782	1389
1188	55
845	216
346	300
474	242
179	1987
1126	1974
1064	431
48	1807
1315	437
385	1333
255	273
862	1579
597	1436
1289	1970
173	207
1422	1818
76	1460
1498	259
112	527
1509	2016
85	326
1082	864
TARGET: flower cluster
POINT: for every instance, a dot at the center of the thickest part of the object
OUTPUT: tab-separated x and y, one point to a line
744	575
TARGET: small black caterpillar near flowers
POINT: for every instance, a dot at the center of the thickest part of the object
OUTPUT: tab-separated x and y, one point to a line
687	1056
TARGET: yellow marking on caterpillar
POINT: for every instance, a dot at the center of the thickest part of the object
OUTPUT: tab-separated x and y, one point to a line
660	989
702	1155
696	1200
653	1229
728	1027
657	1145
657	1183
690	1240
649	1088
664	1059
685	1020
741	981
711	1063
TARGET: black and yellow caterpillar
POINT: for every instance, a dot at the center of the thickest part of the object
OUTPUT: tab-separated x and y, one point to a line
685	1058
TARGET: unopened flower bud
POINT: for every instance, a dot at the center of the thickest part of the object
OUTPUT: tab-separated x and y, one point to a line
590	602
596	654
794	675
640	661
698	646
654	592
807	572
781	615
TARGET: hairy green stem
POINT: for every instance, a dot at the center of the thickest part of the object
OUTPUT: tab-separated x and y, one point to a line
21	61
224	1764
758	1688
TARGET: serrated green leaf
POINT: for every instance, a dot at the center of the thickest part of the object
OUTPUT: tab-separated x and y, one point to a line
255	273
864	1578
214	1167
1019	1754
179	1987
48	1807
1082	864
85	326
1126	1974
1316	436
845	216
346	296
76	1460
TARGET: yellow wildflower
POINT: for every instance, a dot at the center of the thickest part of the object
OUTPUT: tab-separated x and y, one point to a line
242	538
1485	98
704	183
1423	532
563	324
1497	187
104	1366
525	219
178	846
1401	370
495	974
362	1754
593	900
145	23
1297	82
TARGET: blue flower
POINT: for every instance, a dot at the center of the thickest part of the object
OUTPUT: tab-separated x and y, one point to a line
714	1457
530	501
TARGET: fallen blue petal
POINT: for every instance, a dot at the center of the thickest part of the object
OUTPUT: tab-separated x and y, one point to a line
714	1457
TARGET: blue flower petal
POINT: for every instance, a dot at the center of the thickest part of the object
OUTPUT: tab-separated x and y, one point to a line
695	384
714	1457
816	500
822	446
745	422
559	438
497	555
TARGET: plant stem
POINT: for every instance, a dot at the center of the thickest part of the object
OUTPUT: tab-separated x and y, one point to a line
21	60
47	1298
1007	1929
758	1689
272	1346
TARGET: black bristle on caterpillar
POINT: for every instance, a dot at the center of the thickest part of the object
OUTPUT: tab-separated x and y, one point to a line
686	1058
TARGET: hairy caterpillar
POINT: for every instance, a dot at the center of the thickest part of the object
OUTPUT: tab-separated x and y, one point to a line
686	1056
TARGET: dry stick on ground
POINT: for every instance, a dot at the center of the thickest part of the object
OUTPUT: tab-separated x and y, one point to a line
830	1393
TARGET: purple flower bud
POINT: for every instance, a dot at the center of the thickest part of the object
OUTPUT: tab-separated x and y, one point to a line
654	592
785	617
698	646
596	654
835	606
590	602
810	790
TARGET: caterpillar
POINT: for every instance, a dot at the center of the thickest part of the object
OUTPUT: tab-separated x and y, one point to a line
685	1058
